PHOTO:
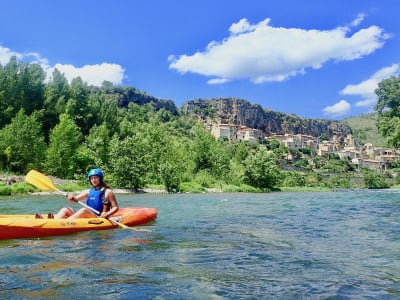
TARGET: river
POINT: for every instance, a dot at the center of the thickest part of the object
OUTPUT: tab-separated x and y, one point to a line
335	245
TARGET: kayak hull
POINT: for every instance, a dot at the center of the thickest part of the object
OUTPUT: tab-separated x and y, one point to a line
27	226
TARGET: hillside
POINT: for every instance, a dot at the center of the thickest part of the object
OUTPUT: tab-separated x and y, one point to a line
239	111
365	130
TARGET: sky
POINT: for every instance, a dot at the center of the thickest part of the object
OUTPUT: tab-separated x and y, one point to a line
315	59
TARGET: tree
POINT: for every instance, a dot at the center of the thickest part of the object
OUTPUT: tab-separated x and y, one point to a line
56	94
169	175
202	150
21	86
388	108
127	162
372	180
97	144
77	105
261	170
22	143
293	178
65	140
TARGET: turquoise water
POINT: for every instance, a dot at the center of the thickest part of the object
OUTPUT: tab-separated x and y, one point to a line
339	245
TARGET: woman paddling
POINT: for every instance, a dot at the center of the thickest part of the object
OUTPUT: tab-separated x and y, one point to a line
100	197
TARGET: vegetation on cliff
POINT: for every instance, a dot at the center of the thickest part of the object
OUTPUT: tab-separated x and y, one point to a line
365	130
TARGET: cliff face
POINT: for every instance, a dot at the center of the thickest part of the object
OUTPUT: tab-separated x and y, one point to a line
125	95
241	112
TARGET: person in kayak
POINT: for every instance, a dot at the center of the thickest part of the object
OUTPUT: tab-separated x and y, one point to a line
100	197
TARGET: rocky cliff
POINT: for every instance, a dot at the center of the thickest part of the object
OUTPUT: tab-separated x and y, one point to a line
125	95
241	112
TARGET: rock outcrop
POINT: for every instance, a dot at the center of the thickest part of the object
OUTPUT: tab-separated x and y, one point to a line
241	112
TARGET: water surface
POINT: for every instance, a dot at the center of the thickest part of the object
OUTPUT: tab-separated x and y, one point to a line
339	245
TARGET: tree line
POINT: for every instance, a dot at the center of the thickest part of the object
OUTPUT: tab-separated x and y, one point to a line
64	129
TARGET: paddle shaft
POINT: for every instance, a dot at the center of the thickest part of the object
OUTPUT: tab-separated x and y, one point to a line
95	211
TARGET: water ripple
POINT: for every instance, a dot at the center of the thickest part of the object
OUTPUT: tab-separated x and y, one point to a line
341	245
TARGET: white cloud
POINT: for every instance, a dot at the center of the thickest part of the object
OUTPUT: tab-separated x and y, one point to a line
91	74
366	88
358	20
339	109
263	53
6	54
217	80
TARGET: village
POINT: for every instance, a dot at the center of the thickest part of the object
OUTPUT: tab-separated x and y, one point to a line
367	156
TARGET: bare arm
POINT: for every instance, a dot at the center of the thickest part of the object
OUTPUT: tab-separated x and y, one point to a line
79	197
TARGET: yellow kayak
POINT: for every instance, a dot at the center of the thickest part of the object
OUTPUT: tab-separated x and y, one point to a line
27	226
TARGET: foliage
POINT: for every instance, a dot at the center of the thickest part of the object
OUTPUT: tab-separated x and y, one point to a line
372	180
192	187
169	175
293	178
22	143
65	128
365	130
243	188
15	189
261	170
128	162
302	163
388	108
61	157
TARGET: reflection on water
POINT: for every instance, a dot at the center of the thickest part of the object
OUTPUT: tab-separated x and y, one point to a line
217	246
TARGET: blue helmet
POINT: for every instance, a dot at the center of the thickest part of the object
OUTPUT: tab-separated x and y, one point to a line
97	172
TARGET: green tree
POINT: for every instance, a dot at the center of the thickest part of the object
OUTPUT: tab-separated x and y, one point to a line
388	108
56	94
170	176
209	154
65	140
21	86
293	178
154	142
261	170
97	144
373	180
77	105
22	143
127	162
202	150
101	110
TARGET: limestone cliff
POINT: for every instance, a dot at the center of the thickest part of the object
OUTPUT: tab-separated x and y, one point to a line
241	112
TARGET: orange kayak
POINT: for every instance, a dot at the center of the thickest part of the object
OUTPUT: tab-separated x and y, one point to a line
27	226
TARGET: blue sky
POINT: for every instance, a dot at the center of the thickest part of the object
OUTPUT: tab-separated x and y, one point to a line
311	58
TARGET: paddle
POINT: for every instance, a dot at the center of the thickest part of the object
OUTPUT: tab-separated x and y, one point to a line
43	182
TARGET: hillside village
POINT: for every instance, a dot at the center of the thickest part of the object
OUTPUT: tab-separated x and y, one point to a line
368	156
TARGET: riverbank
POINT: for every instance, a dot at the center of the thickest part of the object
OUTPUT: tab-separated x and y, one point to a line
15	184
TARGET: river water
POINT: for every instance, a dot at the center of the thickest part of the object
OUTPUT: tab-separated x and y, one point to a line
336	245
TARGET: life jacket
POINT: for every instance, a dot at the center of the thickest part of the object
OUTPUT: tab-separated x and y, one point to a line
96	199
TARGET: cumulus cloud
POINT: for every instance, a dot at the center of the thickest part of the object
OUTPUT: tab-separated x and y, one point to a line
6	54
91	74
339	109
263	53
366	89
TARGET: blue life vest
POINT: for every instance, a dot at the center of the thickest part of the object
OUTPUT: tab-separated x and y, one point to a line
96	199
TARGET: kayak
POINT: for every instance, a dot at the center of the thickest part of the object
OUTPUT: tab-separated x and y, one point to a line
27	226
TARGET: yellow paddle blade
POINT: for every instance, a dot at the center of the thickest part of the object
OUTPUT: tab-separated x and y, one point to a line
40	181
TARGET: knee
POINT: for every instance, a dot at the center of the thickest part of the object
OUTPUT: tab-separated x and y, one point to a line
65	212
